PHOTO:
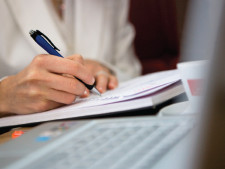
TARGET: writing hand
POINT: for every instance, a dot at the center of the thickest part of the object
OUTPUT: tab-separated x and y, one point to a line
45	84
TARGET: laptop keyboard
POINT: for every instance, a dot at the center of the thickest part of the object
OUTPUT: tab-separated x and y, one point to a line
132	144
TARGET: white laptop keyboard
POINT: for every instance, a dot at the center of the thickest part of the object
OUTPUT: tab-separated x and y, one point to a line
117	145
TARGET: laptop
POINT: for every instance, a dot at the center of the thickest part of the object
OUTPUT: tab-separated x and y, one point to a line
134	142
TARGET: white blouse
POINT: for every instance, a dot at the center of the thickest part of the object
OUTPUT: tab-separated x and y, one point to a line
96	29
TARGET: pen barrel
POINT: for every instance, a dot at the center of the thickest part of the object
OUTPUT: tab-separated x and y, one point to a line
90	87
46	46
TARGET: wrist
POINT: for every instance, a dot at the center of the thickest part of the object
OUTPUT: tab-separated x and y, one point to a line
3	105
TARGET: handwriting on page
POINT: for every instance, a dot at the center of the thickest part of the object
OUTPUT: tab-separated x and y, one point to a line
137	87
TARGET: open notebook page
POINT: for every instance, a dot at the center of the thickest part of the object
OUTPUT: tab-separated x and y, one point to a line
137	87
119	99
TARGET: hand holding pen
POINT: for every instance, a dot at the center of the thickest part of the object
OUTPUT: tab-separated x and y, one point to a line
46	83
42	40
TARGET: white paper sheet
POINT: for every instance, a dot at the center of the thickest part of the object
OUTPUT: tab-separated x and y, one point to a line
134	88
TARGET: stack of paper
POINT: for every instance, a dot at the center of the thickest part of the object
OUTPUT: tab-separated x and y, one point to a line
143	91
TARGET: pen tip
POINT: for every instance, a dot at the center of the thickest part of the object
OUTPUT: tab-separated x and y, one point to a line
94	90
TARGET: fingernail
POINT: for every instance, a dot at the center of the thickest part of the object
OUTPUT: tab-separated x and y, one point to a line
85	93
112	85
100	89
93	80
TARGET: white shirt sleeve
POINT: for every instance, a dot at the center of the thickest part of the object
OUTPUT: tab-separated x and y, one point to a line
126	65
102	33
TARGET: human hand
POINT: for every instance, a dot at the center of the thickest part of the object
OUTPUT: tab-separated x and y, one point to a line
45	84
104	78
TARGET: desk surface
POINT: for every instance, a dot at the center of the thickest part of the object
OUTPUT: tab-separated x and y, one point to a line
8	135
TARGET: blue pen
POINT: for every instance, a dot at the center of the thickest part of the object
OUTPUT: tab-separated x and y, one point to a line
49	47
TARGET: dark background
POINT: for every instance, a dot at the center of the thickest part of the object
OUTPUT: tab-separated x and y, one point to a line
159	25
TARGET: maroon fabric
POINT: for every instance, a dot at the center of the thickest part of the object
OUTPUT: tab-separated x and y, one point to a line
156	42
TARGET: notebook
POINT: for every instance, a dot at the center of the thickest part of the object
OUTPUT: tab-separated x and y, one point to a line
141	92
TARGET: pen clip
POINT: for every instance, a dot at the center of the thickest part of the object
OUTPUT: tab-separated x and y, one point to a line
41	34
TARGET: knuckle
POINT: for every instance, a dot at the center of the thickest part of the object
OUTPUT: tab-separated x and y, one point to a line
79	56
82	90
75	67
79	88
102	79
39	60
70	99
89	78
34	92
32	74
76	87
71	83
38	106
42	106
113	78
79	59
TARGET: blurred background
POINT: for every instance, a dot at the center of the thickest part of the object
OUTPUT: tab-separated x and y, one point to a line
159	25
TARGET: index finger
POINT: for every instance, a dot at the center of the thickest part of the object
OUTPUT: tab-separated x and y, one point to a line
77	58
64	66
